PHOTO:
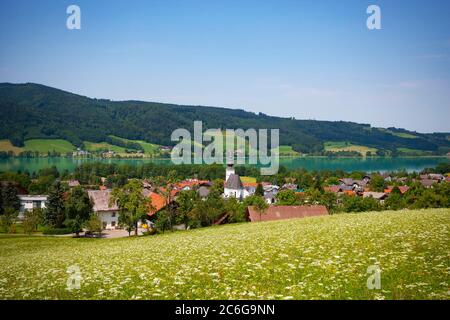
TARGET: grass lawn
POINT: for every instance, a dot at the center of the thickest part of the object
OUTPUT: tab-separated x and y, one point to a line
6	145
49	145
312	258
346	146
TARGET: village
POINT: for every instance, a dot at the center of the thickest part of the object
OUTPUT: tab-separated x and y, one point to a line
180	204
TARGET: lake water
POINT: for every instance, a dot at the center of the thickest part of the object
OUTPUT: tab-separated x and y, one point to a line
308	163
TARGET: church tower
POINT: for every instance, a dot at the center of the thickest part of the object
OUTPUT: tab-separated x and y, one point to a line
230	167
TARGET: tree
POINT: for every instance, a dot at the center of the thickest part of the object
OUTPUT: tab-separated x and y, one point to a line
395	201
94	224
8	220
286	198
259	190
54	214
377	183
31	220
186	201
163	221
260	206
360	204
10	200
235	210
78	208
132	203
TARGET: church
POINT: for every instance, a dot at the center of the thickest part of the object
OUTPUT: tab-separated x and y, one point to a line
233	185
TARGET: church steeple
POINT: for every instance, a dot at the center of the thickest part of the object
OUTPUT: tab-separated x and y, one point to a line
230	166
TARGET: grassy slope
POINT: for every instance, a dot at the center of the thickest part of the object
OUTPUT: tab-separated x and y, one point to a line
345	146
6	145
325	257
149	148
49	145
102	146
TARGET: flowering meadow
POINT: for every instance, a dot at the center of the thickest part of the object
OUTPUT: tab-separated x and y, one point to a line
312	258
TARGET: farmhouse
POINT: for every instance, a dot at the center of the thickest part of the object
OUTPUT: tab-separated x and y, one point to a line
30	202
286	212
107	213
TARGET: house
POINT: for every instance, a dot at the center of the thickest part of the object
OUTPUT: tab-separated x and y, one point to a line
286	212
427	183
270	197
289	186
436	176
402	189
356	185
107	213
73	183
333	188
376	195
203	192
30	202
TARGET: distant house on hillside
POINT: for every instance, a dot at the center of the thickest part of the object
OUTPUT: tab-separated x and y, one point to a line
107	213
286	212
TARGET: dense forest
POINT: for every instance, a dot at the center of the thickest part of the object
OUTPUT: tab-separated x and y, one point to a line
31	111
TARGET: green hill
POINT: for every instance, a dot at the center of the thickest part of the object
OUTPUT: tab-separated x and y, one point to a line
32	111
311	258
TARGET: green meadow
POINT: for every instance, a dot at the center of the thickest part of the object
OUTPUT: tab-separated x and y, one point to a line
312	258
346	146
49	145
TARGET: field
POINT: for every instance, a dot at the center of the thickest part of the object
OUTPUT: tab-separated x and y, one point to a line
6	145
312	258
287	151
345	146
414	152
49	145
149	148
102	146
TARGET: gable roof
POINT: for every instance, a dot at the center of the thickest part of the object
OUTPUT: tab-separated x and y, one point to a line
234	182
286	212
375	195
158	202
100	199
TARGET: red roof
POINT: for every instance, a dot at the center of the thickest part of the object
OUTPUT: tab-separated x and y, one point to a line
158	202
286	212
402	189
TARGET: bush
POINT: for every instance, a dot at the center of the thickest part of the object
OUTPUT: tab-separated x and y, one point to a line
94	225
56	231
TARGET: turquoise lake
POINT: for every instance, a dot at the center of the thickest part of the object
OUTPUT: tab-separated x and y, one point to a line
308	163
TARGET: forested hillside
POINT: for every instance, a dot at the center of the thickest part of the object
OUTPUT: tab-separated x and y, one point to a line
32	111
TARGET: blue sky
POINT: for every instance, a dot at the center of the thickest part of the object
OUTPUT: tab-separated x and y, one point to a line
306	59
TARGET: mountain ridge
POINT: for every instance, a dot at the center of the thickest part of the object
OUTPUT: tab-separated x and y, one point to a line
32	111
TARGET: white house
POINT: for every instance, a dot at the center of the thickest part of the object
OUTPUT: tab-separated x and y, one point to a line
108	213
29	202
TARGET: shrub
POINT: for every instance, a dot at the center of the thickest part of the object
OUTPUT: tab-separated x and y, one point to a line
56	231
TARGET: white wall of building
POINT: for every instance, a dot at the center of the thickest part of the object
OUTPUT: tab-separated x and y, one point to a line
28	202
109	219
